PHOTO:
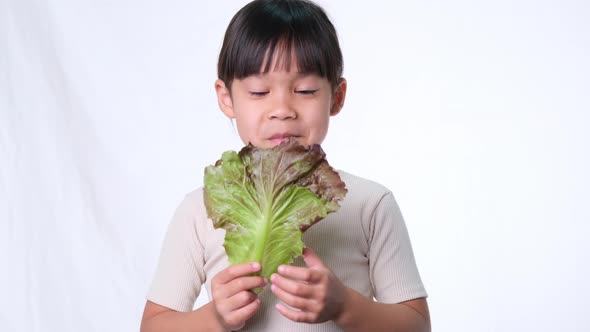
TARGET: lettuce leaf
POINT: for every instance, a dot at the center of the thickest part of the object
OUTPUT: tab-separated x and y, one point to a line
266	198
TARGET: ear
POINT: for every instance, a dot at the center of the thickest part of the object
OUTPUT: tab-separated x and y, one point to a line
338	97
224	99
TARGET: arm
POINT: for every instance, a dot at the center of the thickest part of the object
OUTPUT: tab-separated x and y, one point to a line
162	319
233	303
362	314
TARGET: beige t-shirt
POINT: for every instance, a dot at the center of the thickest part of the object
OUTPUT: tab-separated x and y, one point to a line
365	243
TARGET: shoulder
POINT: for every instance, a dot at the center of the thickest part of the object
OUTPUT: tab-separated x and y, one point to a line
362	189
194	201
191	218
194	198
191	205
366	199
191	211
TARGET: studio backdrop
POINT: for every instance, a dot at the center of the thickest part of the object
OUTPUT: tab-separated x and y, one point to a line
474	113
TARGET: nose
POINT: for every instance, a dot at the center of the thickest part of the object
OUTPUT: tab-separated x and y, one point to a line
282	108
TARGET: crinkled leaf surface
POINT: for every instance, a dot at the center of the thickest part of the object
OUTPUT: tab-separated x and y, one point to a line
266	198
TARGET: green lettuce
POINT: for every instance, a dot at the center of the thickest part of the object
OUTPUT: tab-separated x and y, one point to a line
266	198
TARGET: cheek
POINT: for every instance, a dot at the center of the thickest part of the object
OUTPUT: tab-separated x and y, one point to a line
319	126
247	125
245	118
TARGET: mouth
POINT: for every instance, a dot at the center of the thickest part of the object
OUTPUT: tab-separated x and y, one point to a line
279	138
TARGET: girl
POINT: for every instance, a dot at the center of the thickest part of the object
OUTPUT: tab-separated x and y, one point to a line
280	76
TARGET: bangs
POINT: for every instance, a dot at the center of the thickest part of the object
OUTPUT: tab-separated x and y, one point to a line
265	36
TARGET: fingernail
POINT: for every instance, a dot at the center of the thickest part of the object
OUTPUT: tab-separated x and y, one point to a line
281	269
265	281
255	265
273	277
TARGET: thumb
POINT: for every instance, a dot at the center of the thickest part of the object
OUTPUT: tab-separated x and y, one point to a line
311	259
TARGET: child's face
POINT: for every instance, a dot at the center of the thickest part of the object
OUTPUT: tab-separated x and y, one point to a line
269	107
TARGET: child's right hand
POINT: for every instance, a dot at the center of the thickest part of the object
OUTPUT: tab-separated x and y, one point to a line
233	301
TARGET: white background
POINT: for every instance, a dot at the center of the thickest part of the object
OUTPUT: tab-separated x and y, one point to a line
475	114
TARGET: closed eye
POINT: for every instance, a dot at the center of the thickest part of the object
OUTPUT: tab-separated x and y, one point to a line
258	93
306	92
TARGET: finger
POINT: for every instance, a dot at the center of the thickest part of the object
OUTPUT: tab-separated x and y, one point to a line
311	259
244	283
290	299
295	315
237	301
300	273
238	285
237	319
228	274
294	287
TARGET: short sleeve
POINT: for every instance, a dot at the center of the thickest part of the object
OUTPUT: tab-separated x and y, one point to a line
392	266
179	274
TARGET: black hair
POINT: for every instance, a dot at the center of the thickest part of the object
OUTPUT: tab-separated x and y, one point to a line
264	27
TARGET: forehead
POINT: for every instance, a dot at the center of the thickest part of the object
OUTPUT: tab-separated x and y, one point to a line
285	54
280	58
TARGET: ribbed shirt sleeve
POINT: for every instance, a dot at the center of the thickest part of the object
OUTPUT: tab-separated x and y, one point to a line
392	266
180	273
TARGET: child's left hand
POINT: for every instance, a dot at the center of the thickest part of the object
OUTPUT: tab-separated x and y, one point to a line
314	293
